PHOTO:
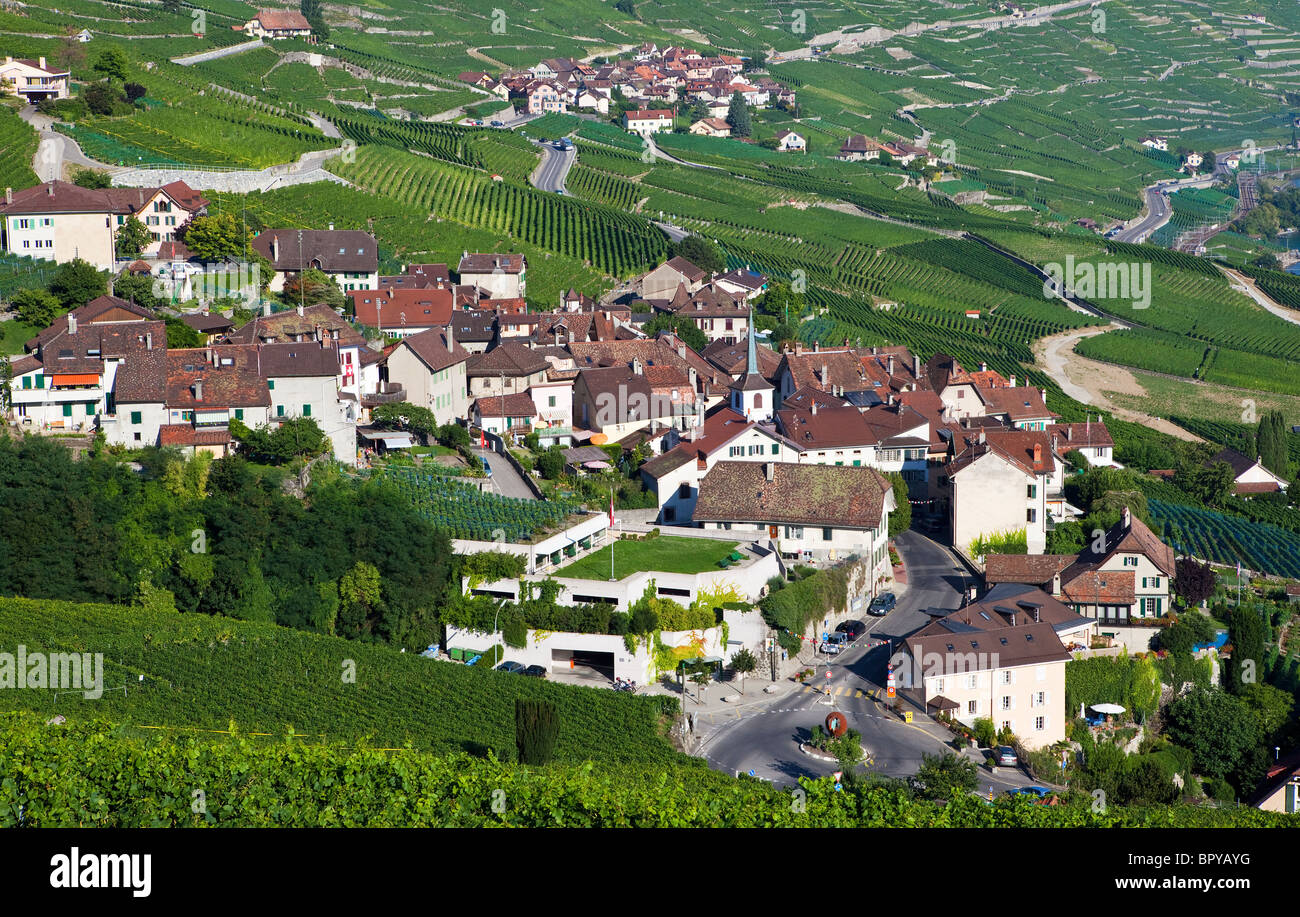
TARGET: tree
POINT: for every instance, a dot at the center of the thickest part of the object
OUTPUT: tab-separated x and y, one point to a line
91	178
181	335
1144	782
1272	708
944	776
296	436
313	12
72	53
742	663
626	7
134	92
537	727
136	288
551	463
700	252
1248	635
755	60
781	300
900	519
215	237
1066	538
738	116
1272	443
405	416
1144	688
112	63
360	603
100	99
132	238
681	325
1194	581
1211	486
985	733
78	282
6	383
1218	728
36	307
313	286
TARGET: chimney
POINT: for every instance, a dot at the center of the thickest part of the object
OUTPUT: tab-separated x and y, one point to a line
148	340
1043	392
451	337
769	470
636	367
891	364
1127	518
984	367
916	366
798	348
198	389
300	308
9	195
681	350
211	356
49	189
1054	442
890	402
875	351
1012	380
817	346
275	250
1056	584
814	407
72	323
42	63
1038	453
981	437
331	227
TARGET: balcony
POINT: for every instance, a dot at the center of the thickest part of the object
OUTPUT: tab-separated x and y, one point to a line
388	393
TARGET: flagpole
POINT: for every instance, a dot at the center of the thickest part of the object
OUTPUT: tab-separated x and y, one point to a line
612	539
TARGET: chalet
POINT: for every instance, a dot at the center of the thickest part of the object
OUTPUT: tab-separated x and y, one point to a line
277	24
788	141
34	80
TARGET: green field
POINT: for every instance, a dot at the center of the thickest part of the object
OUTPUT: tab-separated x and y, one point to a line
666	553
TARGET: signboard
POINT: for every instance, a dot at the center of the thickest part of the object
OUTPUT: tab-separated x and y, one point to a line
890	690
828	674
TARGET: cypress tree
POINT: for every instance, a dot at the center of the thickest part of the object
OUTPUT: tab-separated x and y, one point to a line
738	115
537	726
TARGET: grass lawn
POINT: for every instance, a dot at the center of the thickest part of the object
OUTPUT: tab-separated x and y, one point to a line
14	333
671	554
1204	400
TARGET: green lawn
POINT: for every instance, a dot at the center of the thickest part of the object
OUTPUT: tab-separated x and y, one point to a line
668	553
13	334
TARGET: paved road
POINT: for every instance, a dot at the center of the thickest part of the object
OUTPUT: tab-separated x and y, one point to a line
1158	212
55	149
554	168
505	480
765	736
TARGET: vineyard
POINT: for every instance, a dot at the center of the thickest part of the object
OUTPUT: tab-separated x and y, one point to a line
202	672
466	512
1224	539
17	147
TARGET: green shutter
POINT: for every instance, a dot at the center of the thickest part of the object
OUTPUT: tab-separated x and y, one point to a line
306	410
270	384
776	448
40	380
27	381
67	410
136	417
279	410
239	413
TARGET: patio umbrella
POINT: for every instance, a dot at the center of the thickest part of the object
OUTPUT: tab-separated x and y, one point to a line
596	466
1108	708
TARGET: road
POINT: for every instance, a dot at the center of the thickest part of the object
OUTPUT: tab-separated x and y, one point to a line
506	481
766	739
554	168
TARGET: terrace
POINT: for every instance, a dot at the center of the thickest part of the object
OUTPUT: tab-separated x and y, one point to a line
667	553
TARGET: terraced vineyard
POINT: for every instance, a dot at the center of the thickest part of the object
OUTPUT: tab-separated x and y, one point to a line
464	511
17	147
1226	539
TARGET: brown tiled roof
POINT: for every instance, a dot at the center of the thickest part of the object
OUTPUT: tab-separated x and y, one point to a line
142	379
1136	538
842	496
285	327
719	429
1015	446
424	307
1081	435
629	393
307	358
1006	605
1256	487
686	268
982	650
183	434
333	250
1090	586
1035	569
229	373
491	263
517	405
431	347
1019	403
212	323
732	359
512	358
828	428
825	369
283	20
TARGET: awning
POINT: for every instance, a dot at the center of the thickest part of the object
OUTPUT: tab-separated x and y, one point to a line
392	440
76	379
939	702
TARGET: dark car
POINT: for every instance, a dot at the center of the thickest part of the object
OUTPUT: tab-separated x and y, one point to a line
882	605
512	667
498	124
854	629
535	671
1035	792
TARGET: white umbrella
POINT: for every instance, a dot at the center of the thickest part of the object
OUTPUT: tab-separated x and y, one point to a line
1108	708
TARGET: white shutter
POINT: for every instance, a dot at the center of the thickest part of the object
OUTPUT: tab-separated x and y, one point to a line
1013	702
1047	698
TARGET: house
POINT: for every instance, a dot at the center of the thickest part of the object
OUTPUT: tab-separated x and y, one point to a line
58	221
1192	160
1124	575
787	141
206	389
349	257
303	381
509	368
399	313
742	282
319	324
998	485
620	400
719	314
1249	477
711	127
34	80
278	24
502	414
211	326
674	476
85	35
1001	659
1280	789
1090	438
592	99
733	359
1156	143
430	368
417	276
810	512
662	282
503	276
859	148
545	96
68	378
648	121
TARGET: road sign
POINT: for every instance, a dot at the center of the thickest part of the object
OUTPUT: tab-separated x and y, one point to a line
907	716
890	691
828	674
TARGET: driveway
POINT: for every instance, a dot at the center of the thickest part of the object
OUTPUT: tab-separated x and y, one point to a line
506	481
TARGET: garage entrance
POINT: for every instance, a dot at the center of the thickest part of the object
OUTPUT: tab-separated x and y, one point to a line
584	665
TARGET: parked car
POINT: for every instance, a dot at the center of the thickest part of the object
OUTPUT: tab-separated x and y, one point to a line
512	667
1038	792
1005	756
496	123
535	671
854	629
835	643
882	605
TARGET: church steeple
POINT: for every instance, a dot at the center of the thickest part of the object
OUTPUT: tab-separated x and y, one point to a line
751	394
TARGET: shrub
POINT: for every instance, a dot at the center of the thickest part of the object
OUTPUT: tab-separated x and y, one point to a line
985	733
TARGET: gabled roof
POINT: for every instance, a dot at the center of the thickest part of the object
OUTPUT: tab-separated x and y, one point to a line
432	348
491	263
1034	569
335	250
517	405
1128	536
719	429
1016	447
283	20
511	358
65	197
421	307
288	326
1091	435
841	496
229	374
305	358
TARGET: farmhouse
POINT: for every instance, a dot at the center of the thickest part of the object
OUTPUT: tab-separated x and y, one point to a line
648	121
278	24
34	80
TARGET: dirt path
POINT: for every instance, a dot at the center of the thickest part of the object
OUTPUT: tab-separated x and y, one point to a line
1089	381
1243	284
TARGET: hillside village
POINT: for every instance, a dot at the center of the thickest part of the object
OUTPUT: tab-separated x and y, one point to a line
350	410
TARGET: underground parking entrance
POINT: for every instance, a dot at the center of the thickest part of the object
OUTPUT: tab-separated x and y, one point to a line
584	665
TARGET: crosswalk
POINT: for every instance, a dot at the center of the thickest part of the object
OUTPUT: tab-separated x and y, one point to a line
841	691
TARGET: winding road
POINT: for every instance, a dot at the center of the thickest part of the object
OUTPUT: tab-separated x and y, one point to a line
552	171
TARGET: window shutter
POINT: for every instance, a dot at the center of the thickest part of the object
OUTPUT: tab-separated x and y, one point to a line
1013	702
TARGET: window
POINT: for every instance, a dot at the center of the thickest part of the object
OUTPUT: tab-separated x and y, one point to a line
684	491
306	410
1006	678
670	514
1006	702
938	685
735	451
27	381
1031	515
550	401
972	706
827	534
1130	561
138	438
1033	491
970	684
1040	673
270	384
1040	699
1040	723
67	410
794	531
776	449
1006	724
239	413
279	410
